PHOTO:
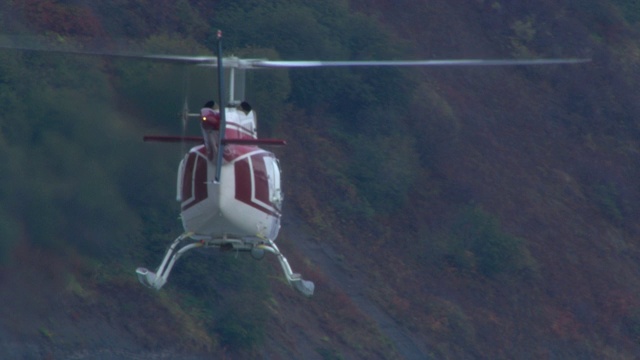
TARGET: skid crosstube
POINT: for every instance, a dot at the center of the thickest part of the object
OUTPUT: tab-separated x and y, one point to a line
156	280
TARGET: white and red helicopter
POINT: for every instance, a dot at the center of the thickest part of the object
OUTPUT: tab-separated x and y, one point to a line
228	187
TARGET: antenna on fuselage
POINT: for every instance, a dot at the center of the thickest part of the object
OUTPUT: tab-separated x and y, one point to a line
223	108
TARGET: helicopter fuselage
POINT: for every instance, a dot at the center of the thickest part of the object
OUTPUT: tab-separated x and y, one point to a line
235	207
246	201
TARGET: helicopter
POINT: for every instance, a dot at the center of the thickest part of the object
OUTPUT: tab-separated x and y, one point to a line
228	186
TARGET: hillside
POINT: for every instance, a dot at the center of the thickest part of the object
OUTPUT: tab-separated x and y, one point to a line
442	213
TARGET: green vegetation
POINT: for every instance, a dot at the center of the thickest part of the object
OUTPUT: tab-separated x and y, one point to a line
608	198
230	293
358	103
328	354
630	10
383	163
60	162
383	178
478	242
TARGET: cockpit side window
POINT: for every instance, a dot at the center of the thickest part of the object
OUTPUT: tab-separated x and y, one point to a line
273	173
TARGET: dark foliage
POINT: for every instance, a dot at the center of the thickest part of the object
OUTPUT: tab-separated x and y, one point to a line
385	165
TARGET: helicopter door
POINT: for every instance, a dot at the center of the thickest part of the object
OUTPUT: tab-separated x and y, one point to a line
273	174
194	180
258	183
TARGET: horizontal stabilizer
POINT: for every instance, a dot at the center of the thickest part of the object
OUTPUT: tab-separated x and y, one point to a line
199	139
253	142
173	139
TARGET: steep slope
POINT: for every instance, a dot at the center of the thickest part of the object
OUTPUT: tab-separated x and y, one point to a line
445	213
542	151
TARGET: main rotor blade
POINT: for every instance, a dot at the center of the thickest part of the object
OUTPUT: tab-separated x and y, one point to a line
450	62
178	59
238	63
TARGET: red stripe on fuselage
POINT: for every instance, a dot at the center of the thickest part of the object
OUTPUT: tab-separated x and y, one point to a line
243	181
237	131
199	188
187	178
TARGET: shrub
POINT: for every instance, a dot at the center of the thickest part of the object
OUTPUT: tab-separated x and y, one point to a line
478	243
383	178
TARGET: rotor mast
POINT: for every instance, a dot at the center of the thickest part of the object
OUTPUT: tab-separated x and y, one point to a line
223	107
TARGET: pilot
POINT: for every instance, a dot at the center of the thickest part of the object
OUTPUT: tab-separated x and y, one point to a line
210	114
211	105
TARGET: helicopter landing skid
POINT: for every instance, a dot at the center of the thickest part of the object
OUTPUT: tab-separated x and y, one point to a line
157	279
305	287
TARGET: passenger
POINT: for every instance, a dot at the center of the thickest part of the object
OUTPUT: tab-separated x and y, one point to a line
245	107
